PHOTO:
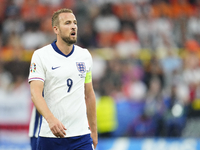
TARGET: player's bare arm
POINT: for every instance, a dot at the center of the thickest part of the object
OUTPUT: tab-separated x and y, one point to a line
91	111
55	125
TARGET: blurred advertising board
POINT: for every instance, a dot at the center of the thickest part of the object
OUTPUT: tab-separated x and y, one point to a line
21	142
148	144
15	106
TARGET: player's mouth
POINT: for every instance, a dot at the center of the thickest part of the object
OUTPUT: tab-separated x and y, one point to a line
73	33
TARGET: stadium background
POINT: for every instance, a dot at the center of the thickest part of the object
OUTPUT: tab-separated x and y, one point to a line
146	71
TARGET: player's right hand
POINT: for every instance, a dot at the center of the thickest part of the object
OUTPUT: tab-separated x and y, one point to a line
57	128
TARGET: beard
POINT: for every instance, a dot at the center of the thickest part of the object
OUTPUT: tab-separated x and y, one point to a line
68	40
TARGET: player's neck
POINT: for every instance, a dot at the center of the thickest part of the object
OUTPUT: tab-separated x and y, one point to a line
64	47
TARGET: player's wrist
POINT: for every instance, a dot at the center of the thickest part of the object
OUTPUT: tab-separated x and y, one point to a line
49	118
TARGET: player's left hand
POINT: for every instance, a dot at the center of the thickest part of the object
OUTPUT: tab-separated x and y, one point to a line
57	128
94	137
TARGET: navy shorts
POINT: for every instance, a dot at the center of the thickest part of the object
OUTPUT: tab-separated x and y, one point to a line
33	143
83	142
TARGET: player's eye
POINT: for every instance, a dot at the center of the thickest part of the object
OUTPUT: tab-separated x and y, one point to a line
67	22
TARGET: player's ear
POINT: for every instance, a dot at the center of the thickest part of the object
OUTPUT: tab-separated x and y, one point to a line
55	29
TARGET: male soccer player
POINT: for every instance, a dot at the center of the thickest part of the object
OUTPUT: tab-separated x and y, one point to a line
63	71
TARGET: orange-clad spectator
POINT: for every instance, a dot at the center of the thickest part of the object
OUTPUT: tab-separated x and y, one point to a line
124	10
105	39
180	8
33	10
192	45
161	8
69	3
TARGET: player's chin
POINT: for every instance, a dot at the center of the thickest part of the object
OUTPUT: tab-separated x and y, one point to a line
72	41
74	38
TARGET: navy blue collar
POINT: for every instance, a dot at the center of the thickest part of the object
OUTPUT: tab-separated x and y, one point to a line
59	51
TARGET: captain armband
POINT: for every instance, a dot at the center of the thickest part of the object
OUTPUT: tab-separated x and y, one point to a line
88	77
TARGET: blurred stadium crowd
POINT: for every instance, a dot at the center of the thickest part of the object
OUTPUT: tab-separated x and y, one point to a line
146	53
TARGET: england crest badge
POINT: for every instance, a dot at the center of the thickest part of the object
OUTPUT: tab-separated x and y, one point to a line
81	67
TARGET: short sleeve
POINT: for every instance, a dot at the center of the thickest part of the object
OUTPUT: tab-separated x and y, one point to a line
37	70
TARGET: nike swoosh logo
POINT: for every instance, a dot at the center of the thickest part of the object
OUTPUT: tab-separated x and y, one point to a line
53	68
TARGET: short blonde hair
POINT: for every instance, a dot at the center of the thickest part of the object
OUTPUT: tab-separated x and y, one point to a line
55	19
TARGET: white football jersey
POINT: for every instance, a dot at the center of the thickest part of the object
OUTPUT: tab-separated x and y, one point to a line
64	78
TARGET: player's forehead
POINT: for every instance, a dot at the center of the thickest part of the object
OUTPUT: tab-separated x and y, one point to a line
63	17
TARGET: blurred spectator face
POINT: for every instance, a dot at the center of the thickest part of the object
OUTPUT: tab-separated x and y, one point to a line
155	86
